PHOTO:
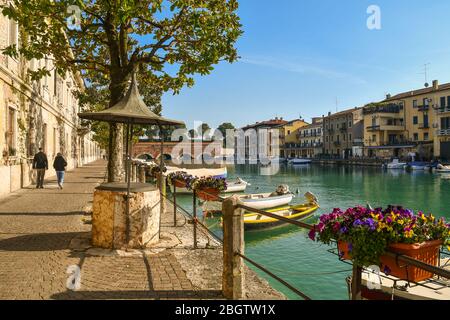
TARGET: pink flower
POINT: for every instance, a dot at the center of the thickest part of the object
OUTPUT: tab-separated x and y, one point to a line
312	234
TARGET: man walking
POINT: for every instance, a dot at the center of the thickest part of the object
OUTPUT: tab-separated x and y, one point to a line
40	163
60	165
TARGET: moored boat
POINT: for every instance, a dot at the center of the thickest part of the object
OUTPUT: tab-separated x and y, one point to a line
396	164
254	221
417	165
299	161
266	200
232	187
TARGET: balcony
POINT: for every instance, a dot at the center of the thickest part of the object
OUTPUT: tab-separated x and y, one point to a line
443	132
337	143
374	128
424	126
444	109
343	129
423	108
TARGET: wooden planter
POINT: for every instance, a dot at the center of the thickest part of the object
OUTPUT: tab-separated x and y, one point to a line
344	251
208	194
179	183
427	252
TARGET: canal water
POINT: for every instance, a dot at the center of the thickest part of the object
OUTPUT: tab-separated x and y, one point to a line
290	254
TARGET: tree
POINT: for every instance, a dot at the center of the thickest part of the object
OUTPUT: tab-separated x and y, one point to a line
204	129
167	41
223	130
192	134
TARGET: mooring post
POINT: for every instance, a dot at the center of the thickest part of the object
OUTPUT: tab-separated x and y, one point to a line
194	214
233	242
174	189
142	173
356	283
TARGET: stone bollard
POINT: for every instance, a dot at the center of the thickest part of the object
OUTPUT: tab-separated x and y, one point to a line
142	173
233	241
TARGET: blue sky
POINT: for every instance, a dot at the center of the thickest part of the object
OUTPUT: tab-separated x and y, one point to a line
298	56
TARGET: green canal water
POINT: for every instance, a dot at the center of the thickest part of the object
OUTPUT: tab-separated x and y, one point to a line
289	253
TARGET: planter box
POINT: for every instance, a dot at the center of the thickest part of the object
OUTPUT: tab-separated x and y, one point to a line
344	250
427	252
179	184
209	194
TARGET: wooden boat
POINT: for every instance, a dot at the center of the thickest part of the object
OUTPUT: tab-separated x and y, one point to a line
232	187
266	200
254	221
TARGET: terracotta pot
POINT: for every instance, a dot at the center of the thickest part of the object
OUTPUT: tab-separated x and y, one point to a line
208	194
179	184
344	251
427	252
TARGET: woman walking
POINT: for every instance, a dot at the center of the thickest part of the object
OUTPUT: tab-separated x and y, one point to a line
60	165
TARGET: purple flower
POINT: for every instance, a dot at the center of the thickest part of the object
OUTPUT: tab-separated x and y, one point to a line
371	223
350	247
312	234
357	223
344	230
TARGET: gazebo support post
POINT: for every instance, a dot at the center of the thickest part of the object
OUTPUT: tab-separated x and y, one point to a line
128	179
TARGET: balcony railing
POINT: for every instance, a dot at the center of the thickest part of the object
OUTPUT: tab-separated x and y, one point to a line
374	128
337	143
443	132
443	109
423	108
424	126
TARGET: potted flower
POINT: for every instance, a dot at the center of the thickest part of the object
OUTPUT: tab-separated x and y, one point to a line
155	171
364	235
179	179
207	188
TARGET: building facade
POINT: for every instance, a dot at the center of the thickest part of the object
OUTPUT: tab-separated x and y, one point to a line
339	133
262	139
37	114
310	140
289	137
412	122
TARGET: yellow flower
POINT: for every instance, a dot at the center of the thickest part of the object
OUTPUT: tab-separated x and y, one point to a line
409	234
448	248
422	216
401	222
432	217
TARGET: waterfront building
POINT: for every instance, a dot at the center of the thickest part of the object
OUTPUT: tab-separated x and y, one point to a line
289	142
342	132
310	140
37	114
410	122
261	138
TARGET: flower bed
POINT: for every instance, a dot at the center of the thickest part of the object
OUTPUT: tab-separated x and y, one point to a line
180	179
208	188
364	235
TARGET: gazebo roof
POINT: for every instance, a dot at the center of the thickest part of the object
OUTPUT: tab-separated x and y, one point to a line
130	109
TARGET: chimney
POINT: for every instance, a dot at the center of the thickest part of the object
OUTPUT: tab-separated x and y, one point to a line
329	113
435	85
388	96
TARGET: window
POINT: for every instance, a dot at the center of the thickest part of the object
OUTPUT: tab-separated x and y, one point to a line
415	120
337	126
426	136
445	123
350	137
289	132
425	101
374	138
11	134
414	103
448	101
416	137
344	136
349	124
326	138
442	102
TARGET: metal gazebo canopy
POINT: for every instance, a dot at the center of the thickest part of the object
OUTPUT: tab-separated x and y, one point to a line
131	110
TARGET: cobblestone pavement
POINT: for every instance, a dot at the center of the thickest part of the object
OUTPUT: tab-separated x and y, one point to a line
36	230
40	235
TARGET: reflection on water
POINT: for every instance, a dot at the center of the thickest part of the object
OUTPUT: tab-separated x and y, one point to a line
288	248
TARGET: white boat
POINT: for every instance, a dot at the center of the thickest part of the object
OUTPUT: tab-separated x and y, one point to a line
202	172
232	187
299	161
396	164
442	169
265	200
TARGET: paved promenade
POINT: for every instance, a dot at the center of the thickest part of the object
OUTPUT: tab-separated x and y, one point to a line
44	231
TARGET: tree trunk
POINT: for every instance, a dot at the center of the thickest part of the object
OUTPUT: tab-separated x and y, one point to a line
116	168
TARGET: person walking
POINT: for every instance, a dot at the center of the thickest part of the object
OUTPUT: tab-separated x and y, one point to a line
60	165
40	163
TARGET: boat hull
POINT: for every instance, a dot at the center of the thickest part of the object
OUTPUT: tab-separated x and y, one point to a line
266	202
268	223
231	188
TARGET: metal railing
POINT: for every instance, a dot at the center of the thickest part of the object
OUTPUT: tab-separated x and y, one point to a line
357	271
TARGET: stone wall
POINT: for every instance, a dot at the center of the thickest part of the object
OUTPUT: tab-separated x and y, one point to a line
109	220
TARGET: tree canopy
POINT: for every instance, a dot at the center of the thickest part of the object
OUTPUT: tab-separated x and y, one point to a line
166	41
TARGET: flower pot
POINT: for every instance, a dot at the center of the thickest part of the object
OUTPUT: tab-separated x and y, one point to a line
344	250
208	194
179	184
427	252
